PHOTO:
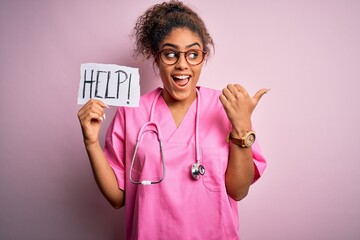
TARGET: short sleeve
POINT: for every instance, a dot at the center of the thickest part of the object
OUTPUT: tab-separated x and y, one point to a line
259	160
114	149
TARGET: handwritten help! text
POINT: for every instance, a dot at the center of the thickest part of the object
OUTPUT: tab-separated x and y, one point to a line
113	84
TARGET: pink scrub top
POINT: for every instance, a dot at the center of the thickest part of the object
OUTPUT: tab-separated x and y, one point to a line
179	207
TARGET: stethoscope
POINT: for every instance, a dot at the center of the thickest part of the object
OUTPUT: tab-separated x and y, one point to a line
196	169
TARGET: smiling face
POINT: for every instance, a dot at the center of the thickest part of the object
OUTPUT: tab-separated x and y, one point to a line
180	79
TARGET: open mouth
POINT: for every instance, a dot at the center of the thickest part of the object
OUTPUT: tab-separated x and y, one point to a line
181	80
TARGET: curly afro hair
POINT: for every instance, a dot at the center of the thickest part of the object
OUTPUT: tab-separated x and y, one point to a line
158	21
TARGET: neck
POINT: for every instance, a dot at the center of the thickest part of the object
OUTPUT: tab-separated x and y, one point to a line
178	108
179	104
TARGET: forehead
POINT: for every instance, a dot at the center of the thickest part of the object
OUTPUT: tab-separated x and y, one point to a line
182	38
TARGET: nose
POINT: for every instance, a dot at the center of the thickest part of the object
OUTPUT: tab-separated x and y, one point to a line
182	62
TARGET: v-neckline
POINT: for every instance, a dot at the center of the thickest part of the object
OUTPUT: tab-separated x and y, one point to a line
169	128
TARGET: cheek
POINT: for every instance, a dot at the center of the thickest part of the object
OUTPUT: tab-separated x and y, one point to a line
197	71
164	71
164	75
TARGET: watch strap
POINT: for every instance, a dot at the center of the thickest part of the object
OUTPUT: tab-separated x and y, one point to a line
237	141
241	142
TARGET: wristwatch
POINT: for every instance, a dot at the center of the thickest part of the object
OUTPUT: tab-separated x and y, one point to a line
246	141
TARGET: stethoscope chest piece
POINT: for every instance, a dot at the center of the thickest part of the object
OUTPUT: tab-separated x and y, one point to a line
197	170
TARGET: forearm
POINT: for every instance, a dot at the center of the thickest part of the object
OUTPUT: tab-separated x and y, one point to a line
239	105
104	176
240	172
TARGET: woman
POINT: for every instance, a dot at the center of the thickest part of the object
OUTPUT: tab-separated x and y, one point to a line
188	186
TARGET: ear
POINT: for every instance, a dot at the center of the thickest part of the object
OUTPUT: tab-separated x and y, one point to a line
207	56
156	60
155	67
155	63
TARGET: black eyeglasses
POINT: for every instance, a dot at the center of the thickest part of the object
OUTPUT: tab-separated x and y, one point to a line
171	56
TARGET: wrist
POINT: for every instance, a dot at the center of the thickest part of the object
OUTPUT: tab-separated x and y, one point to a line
91	145
245	141
239	130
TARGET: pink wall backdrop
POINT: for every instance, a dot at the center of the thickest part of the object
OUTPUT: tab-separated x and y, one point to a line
307	52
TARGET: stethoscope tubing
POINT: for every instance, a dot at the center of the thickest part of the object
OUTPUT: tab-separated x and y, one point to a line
142	131
138	140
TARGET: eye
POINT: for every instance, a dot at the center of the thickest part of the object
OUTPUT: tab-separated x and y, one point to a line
192	54
169	54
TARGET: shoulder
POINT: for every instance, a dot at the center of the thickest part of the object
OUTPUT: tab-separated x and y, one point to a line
148	97
145	103
214	121
210	102
209	91
139	113
210	97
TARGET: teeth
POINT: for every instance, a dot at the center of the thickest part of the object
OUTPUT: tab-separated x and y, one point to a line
181	80
181	77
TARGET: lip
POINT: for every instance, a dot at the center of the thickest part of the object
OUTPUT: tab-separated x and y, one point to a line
181	80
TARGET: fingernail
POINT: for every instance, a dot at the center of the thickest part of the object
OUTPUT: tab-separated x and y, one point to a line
268	90
106	106
104	116
101	119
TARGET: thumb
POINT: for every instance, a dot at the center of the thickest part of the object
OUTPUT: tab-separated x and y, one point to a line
259	94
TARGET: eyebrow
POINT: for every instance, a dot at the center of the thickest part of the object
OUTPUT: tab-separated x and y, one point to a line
175	46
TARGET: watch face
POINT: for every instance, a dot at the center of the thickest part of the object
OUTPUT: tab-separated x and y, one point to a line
250	139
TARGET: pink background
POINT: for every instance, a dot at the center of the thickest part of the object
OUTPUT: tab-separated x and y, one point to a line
307	52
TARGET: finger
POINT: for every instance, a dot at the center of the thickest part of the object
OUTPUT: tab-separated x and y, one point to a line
94	113
103	105
91	116
231	88
93	109
223	99
97	101
93	105
258	95
93	102
101	109
227	93
241	89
